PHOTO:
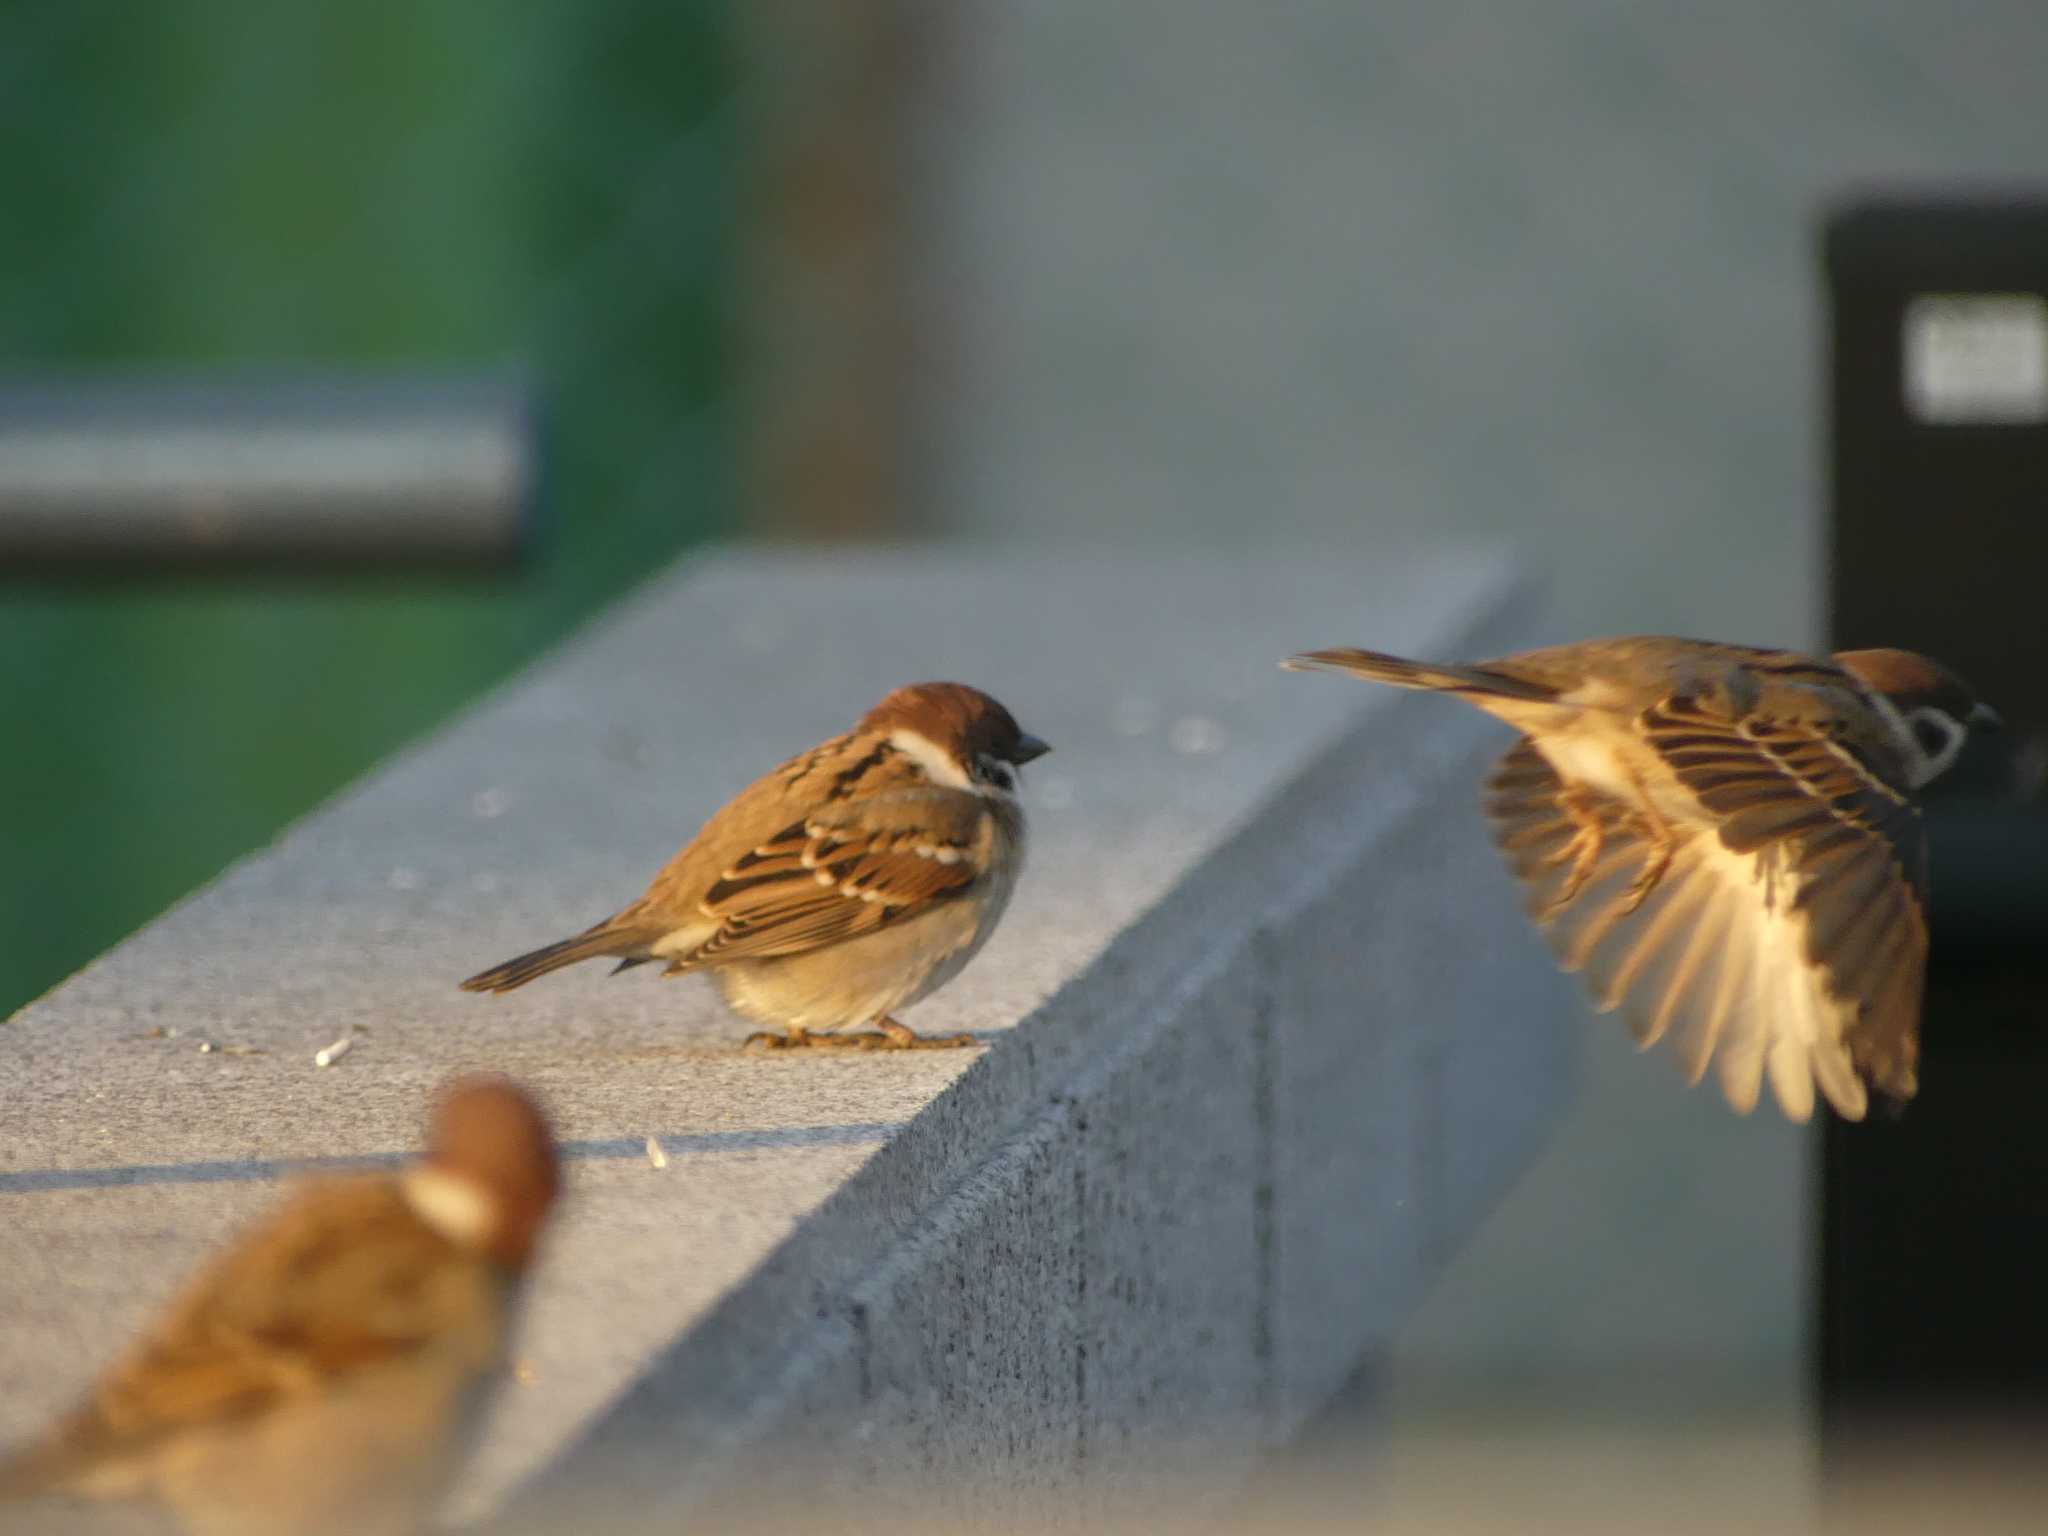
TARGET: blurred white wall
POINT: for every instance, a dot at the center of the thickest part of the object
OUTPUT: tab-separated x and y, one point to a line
1541	272
1548	274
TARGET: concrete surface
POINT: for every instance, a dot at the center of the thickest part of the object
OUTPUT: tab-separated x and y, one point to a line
1269	1037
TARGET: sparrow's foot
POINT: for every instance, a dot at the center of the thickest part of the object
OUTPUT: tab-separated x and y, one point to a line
902	1037
792	1039
888	1035
1584	848
1661	847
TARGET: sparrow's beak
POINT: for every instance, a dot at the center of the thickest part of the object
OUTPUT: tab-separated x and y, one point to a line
1028	748
1985	718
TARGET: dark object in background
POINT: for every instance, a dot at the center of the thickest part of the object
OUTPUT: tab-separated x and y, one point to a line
1932	1294
302	470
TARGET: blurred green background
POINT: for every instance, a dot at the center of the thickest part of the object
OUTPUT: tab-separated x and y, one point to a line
441	184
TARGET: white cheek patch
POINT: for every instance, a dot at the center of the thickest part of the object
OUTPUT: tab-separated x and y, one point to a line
451	1205
1922	766
938	766
1930	722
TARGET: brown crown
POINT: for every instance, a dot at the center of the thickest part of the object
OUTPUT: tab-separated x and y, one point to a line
1910	680
487	1129
962	719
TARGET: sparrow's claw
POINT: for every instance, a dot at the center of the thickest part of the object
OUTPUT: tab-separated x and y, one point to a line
921	1043
1661	849
888	1035
901	1037
795	1039
1583	850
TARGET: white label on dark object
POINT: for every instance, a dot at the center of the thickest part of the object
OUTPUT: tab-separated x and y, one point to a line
1977	358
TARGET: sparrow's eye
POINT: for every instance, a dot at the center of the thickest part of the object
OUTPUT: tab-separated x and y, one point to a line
995	771
1932	733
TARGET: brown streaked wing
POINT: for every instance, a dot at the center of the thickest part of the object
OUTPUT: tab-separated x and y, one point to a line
850	868
1856	857
1532	829
1627	958
1705	959
846	765
344	1276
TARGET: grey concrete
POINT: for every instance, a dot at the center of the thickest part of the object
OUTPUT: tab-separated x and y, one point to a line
1269	1038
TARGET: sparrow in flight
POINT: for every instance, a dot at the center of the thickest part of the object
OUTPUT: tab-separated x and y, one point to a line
844	885
323	1375
1724	842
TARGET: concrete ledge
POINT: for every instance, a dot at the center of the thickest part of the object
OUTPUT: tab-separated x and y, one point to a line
1270	1038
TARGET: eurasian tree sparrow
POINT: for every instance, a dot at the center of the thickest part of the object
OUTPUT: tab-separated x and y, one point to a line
321	1377
1723	840
848	883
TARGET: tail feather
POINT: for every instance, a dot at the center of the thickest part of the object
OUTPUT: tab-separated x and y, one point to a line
1402	673
588	945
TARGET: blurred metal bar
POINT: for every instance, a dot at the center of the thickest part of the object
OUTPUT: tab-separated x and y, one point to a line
288	470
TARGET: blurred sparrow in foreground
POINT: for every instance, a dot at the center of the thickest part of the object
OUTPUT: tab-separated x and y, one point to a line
1724	841
852	881
323	1374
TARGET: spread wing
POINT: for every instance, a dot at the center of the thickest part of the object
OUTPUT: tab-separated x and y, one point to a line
1790	937
344	1276
1856	850
851	867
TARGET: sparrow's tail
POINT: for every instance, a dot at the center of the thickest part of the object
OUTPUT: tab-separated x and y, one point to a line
1477	683
604	939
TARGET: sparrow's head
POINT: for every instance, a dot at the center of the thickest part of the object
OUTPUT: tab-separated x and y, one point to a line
1937	708
952	726
490	1140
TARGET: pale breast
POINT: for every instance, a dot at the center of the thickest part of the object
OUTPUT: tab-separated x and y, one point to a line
856	982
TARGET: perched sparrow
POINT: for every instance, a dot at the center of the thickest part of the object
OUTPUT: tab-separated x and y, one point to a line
322	1375
851	881
1724	841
